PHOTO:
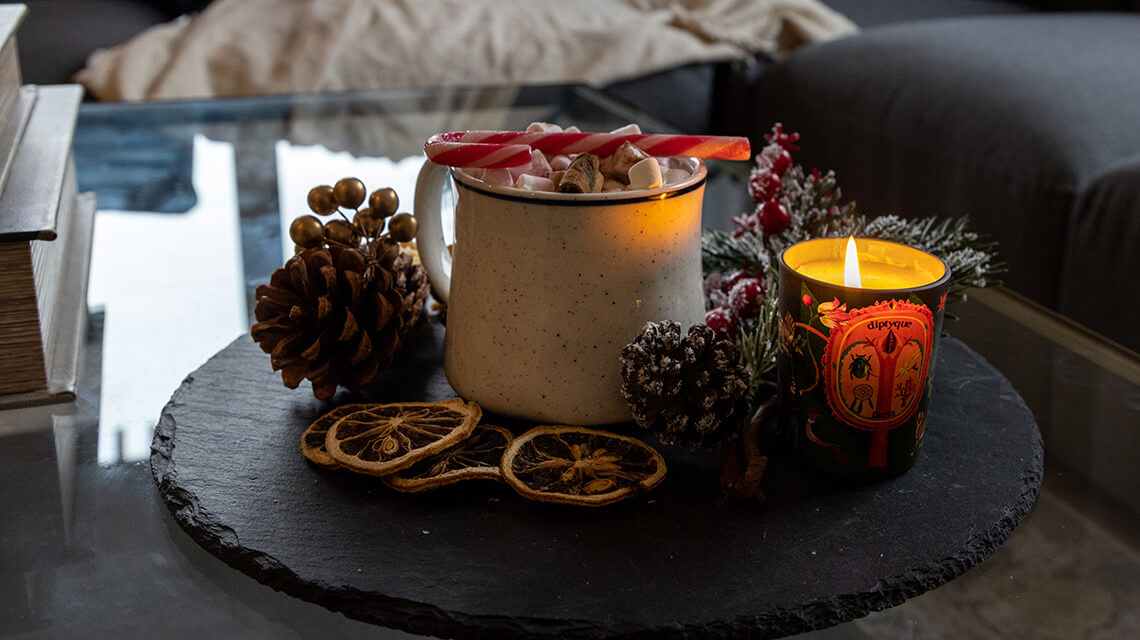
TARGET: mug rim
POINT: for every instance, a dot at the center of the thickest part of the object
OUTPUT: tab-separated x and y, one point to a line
695	181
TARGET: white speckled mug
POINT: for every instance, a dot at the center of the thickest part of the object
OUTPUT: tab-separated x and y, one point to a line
544	289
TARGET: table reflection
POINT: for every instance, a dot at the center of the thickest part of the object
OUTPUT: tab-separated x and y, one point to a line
170	288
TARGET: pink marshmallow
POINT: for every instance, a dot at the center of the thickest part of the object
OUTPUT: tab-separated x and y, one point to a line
560	162
538	166
675	176
498	177
543	127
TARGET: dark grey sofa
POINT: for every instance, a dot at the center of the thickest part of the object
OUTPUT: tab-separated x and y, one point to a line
1026	119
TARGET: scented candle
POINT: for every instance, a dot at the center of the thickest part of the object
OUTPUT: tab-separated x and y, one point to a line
859	325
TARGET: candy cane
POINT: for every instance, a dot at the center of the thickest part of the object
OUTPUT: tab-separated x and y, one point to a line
496	149
471	155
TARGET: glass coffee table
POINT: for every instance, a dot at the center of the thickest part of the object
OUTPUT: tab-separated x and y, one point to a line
193	200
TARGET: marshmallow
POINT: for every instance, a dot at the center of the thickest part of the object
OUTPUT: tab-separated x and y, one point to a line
645	174
616	165
627	130
613	185
676	176
498	177
534	183
538	166
473	172
571	129
543	127
560	162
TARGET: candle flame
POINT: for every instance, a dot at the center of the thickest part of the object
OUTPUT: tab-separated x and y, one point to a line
851	276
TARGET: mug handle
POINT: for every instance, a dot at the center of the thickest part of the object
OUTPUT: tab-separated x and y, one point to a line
429	239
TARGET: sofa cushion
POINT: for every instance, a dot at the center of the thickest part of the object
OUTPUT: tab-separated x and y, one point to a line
1003	118
1103	244
680	96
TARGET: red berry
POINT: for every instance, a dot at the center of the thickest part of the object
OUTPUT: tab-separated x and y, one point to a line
807	300
774	217
720	320
746	296
781	162
785	140
763	185
731	279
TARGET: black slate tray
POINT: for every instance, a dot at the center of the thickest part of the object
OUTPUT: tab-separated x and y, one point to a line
476	561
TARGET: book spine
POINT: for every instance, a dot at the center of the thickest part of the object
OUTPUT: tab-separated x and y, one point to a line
48	258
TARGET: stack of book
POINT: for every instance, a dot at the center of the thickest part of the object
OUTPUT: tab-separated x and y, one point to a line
45	235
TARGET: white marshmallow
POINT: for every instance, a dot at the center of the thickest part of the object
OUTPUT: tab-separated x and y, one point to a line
675	176
645	174
627	130
498	177
560	162
613	185
572	129
543	127
474	172
534	183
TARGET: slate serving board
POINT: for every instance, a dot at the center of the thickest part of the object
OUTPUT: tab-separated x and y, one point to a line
477	561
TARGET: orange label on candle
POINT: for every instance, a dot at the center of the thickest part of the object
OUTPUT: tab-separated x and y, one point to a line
876	361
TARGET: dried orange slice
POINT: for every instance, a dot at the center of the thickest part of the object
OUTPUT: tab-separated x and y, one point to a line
313	439
385	438
575	465
475	458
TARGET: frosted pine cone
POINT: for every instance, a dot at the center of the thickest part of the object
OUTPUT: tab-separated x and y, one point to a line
688	390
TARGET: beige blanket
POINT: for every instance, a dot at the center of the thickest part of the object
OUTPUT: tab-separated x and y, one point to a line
244	47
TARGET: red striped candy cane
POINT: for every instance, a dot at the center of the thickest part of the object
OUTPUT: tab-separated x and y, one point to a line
496	149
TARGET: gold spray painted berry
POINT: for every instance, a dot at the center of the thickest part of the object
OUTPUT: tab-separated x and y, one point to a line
322	200
341	232
307	232
384	202
349	192
402	227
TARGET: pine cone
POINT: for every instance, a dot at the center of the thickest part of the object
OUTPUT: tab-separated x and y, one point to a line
412	280
688	390
331	317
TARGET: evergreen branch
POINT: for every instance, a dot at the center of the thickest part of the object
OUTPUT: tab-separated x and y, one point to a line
760	344
722	252
971	258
